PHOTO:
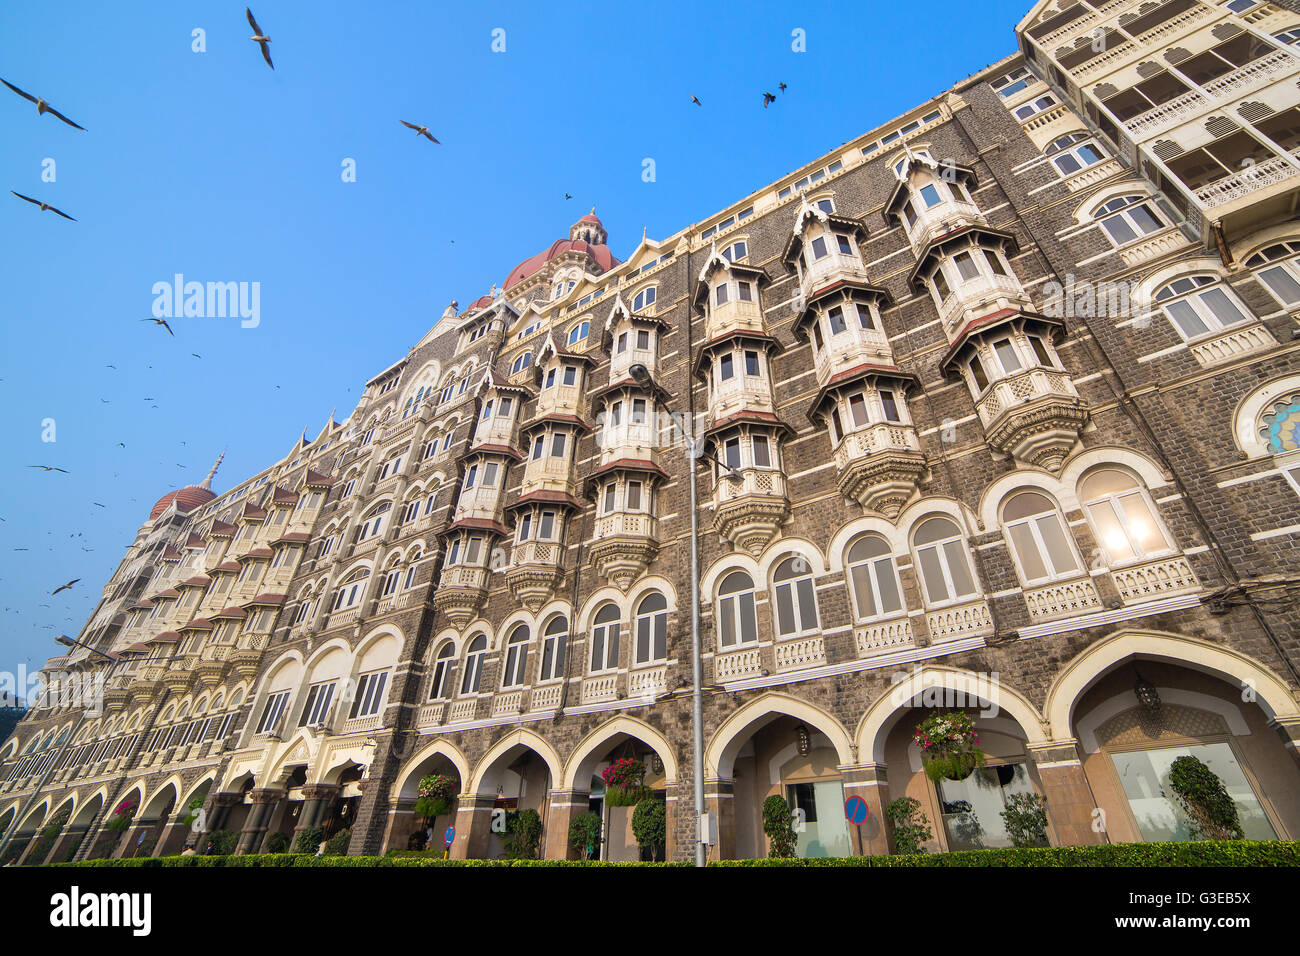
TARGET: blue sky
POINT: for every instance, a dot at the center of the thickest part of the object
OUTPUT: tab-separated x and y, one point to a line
211	165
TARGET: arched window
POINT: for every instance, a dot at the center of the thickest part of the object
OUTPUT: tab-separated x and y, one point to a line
1127	219
796	598
350	593
652	628
474	665
941	556
873	577
1122	516
553	641
516	657
442	672
736	251
604	639
374	522
644	299
579	332
737	622
1279	269
1039	541
391	580
410	571
1279	425
522	362
1198	305
1074	152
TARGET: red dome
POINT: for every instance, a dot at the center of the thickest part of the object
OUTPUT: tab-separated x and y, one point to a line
600	253
189	498
590	217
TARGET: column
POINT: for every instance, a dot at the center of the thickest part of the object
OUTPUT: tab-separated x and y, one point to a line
72	836
869	782
473	827
129	846
565	805
316	801
250	838
1288	729
1070	802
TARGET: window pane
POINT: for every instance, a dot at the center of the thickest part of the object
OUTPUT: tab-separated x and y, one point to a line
727	621
931	573
807	605
1059	551
784	609
1186	318
862	593
748	620
1030	560
1119	230
958	568
1143	529
890	600
1222	307
1110	534
1283	285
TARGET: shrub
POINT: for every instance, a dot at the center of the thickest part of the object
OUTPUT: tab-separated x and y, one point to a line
779	827
910	828
276	843
1026	819
525	829
192	811
1203	797
309	840
337	845
650	823
220	843
584	834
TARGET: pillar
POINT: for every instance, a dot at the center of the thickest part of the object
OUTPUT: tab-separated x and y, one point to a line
72	836
264	801
139	828
869	782
1288	729
473	826
316	801
1070	802
565	806
719	800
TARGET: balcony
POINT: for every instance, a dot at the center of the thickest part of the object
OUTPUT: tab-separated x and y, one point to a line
463	710
969	619
507	703
984	294
180	673
850	349
1248	181
546	474
1035	416
800	653
881	467
394	602
749	513
627	440
737	665
534	572
598	688
1147	124
461	592
1064	599
624	544
738	393
878	637
560	399
1154	39
245	660
734	316
1154	579
1228	344
940	219
648	682
431	714
831	268
546	697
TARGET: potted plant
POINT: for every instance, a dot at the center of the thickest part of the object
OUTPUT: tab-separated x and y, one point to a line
584	834
778	824
121	819
434	794
949	745
910	828
1203	797
624	785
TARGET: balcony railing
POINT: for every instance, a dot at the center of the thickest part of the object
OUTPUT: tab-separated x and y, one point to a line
648	682
800	653
1154	579
875	438
977	293
546	697
626	524
1063	599
878	636
961	620
754	481
598	688
736	665
1010	393
1249	180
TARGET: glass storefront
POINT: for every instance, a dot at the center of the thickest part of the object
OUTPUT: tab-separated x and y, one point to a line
972	808
1145	777
819	822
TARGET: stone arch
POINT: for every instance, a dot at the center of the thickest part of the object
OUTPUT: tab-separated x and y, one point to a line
867	524
486	772
881	717
1087	667
408	775
720	752
581	763
155	804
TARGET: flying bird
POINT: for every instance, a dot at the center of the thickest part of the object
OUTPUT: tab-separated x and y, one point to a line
196	355
98	505
781	87
163	323
696	100
41	105
48	468
44	205
260	38
420	131
111	366
566	196
65	586
768	98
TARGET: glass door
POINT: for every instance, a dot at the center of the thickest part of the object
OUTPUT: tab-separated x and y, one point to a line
972	808
819	818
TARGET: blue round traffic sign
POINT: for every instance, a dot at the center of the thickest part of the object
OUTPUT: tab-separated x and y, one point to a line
855	811
449	836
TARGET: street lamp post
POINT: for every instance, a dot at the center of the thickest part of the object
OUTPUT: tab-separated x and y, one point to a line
642	377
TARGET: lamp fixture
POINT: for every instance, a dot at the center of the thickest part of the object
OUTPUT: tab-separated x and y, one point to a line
801	739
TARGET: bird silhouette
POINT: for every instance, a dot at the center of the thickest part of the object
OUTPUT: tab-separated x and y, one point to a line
768	98
260	38
420	131
566	196
163	323
64	587
781	87
41	105
44	205
114	367
196	355
98	505
696	100
49	468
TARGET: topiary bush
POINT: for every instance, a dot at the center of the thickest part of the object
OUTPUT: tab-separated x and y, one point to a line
910	828
309	840
276	843
1201	794
525	829
779	827
650	823
1025	817
337	845
584	835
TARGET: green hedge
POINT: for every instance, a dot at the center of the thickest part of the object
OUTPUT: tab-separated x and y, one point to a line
1199	853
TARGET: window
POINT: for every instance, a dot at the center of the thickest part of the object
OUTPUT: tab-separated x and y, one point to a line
890	406
836	319
736	251
274	710
751	363
539	445
1013	83
441	672
610	490
634	496
1007	356
1122	517
737	621
796	598
643	339
720	294
978	374
621	345
319	698
553	641
604	639
644	299
391	580
370	693
1198	305
570	376
474	666
873	578
520	363
1127	219
557	445
1074	152
941	557
762	451
652	628
1278	270
1039	541
374	523
516	657
726	366
546	526
1041	353
1037	106
579	332
350	592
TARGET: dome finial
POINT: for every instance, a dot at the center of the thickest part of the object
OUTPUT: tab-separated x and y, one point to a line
207	482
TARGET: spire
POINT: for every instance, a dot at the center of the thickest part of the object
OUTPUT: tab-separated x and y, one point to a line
207	482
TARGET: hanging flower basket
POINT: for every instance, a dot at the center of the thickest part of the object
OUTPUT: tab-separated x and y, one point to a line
434	795
949	745
624	782
122	816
